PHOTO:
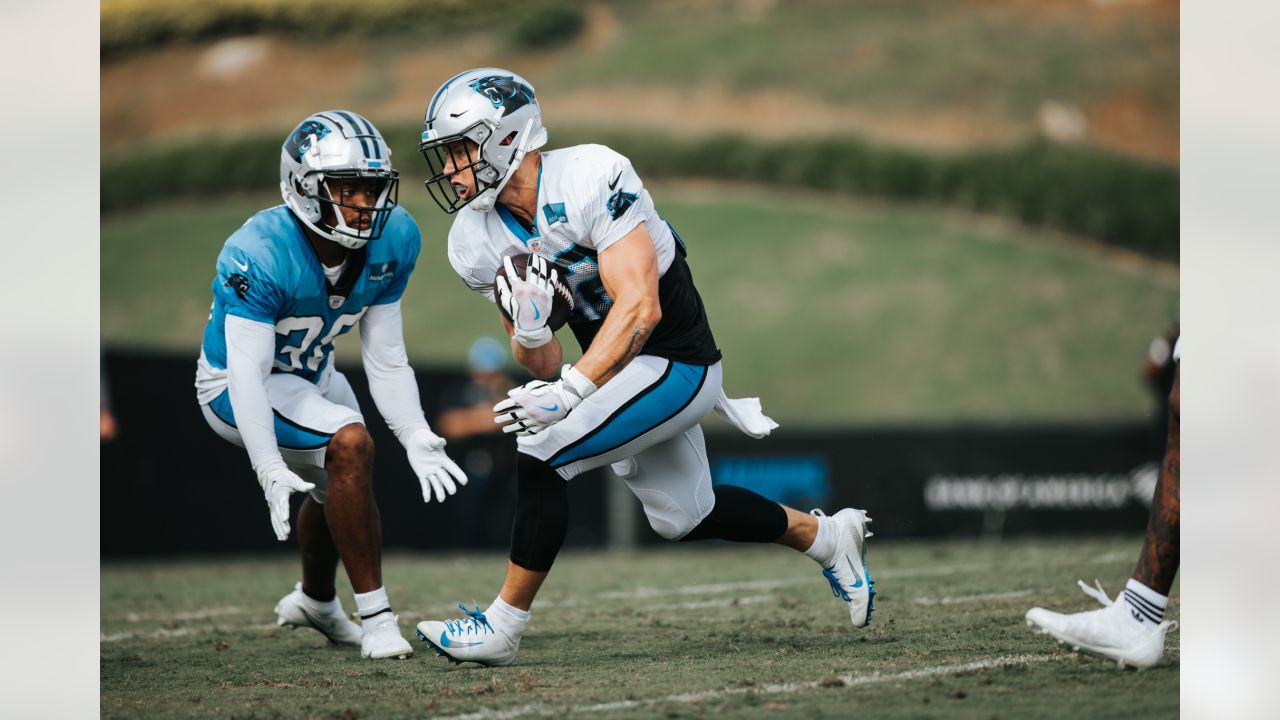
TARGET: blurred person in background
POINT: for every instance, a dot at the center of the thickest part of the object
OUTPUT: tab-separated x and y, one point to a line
467	408
1130	629
1158	371
338	252
466	421
650	369
106	419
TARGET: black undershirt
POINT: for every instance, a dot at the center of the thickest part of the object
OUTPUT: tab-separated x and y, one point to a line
683	335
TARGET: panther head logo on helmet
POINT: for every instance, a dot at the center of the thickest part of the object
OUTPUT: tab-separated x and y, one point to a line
504	91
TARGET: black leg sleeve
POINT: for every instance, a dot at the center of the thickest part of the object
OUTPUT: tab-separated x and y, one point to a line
741	516
542	515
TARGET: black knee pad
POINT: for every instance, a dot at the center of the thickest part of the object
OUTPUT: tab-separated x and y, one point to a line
542	515
741	516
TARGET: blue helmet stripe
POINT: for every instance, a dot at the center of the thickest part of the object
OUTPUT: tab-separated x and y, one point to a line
355	127
373	135
335	123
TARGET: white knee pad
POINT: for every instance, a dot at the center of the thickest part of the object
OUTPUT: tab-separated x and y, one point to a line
665	515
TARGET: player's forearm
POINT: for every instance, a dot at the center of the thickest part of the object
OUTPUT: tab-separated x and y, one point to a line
543	362
624	332
392	383
464	422
250	346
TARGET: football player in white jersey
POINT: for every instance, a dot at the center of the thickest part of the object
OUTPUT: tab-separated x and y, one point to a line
338	252
1130	629
650	369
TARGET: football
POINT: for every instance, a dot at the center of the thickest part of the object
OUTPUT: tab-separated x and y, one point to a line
562	306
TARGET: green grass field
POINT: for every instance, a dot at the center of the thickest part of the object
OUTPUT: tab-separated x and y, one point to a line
708	631
830	309
881	55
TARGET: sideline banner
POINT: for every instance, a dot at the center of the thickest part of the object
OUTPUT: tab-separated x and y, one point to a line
975	479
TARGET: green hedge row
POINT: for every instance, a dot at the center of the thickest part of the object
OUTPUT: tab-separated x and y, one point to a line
129	26
1115	199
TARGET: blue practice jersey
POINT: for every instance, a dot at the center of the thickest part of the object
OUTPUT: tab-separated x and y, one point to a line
268	272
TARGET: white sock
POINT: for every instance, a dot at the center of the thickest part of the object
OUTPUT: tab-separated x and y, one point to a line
1145	605
508	618
322	607
824	545
372	603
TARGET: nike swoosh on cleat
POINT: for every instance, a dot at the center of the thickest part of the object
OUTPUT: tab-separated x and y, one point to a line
444	641
315	623
857	584
458	115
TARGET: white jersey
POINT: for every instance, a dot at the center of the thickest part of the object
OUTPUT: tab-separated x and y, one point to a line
589	197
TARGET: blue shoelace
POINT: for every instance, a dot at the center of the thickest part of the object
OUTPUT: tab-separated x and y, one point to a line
836	588
472	624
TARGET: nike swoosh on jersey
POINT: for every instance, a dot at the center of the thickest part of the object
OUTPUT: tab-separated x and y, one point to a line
444	641
614	184
244	267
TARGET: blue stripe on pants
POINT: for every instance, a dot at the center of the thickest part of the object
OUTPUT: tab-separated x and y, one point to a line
289	435
657	404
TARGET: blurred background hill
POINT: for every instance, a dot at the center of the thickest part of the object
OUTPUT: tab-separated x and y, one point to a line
937	210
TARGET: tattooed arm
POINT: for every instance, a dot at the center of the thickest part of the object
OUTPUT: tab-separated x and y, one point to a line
629	270
1160	551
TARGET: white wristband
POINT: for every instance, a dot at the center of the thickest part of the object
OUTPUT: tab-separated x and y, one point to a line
577	382
534	338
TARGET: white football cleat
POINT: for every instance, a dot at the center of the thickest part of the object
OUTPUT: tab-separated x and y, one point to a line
293	612
847	573
469	639
1111	631
382	638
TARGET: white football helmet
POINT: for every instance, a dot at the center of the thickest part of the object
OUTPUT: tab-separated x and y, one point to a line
323	160
498	111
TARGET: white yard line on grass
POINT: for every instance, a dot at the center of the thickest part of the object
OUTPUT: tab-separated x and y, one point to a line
166	633
647	593
724	602
201	614
961	599
779	689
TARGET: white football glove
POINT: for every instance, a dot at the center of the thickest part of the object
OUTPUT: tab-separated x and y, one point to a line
532	407
528	300
278	483
434	469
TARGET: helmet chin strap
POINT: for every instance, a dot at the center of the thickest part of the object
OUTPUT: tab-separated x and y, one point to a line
485	201
351	243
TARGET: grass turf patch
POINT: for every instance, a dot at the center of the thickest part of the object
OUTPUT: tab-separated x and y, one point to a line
831	310
679	632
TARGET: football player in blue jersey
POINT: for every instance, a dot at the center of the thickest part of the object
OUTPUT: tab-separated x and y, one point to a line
338	252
